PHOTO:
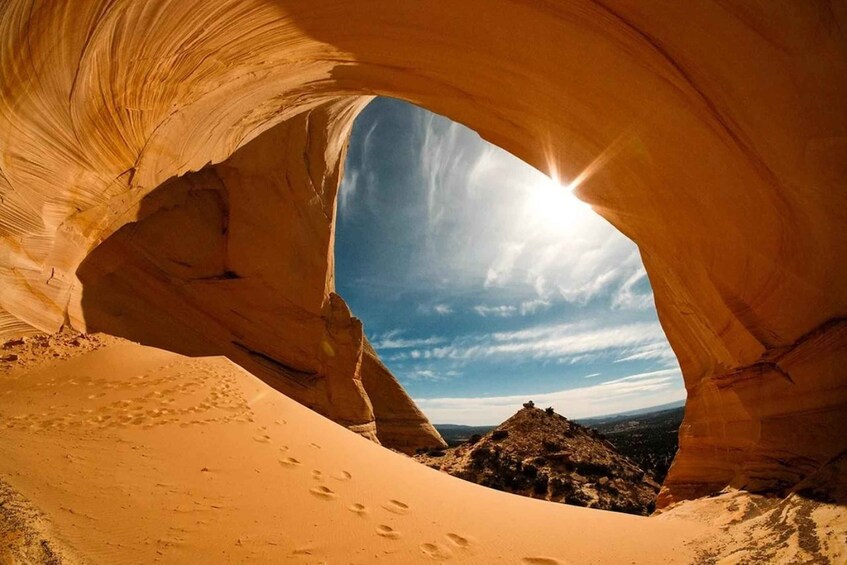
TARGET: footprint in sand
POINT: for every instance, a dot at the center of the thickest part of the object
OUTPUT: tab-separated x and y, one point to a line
323	492
396	507
436	551
289	462
540	561
458	540
317	475
262	438
387	532
342	476
357	508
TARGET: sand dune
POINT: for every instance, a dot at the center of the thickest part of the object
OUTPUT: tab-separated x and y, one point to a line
137	455
111	452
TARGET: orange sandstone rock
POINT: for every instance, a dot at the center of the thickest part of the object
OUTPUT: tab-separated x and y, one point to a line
714	135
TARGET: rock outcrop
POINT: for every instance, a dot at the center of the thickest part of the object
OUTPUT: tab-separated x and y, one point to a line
544	455
714	135
202	272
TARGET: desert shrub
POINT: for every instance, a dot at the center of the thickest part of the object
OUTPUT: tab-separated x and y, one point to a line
492	482
530	470
481	453
550	445
515	465
577	497
591	468
499	434
540	484
559	488
480	456
549	411
474	439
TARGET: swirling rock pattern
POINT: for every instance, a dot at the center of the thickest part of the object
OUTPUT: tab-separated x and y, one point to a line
186	154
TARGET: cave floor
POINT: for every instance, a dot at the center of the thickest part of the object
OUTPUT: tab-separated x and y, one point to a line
121	453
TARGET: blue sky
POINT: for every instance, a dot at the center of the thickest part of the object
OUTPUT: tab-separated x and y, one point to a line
483	284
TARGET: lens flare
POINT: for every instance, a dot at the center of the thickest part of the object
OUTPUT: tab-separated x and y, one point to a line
553	208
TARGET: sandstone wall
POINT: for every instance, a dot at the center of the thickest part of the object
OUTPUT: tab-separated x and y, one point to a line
713	134
236	260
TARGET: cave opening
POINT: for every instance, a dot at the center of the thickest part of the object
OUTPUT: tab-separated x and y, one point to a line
178	187
482	284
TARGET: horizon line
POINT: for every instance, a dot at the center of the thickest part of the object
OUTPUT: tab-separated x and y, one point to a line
681	403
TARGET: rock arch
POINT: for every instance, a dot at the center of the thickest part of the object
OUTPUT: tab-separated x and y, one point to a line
715	136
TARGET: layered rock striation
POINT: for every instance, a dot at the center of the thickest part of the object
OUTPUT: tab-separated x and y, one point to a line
714	135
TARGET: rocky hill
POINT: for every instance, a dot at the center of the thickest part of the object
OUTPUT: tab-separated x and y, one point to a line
541	454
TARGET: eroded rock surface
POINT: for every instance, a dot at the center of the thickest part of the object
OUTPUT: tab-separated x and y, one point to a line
714	135
236	260
759	529
544	455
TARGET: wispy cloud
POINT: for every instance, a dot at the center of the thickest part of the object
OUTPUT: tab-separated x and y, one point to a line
627	296
461	238
616	395
429	374
659	350
572	343
493	221
502	311
347	191
395	342
557	341
500	272
443	163
534	306
440	309
353	181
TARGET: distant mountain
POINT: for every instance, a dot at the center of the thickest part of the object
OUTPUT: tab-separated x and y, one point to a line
455	434
584	421
541	454
650	439
637	412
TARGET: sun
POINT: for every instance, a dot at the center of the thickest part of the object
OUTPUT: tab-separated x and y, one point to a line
553	208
